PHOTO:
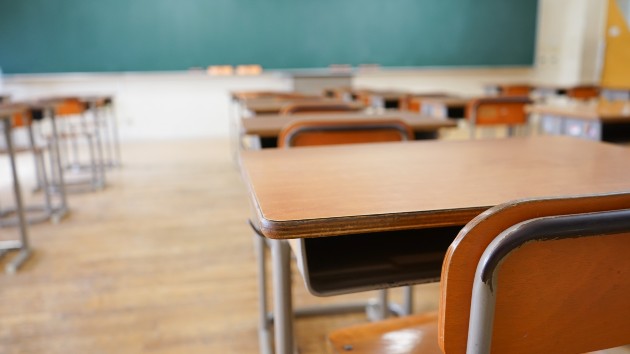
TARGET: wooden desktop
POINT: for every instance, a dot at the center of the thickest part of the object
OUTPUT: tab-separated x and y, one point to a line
603	121
391	197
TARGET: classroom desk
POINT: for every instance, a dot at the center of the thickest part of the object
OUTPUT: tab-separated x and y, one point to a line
241	96
268	127
445	107
388	99
40	110
603	121
7	112
414	100
402	203
264	106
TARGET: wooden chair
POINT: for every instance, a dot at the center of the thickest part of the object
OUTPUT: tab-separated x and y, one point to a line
74	127
543	276
515	90
54	206
314	132
583	93
414	101
317	107
494	111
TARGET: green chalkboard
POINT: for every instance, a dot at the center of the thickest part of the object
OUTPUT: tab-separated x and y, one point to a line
39	36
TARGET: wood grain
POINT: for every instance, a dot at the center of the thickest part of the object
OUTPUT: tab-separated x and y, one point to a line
271	125
160	262
323	191
8	110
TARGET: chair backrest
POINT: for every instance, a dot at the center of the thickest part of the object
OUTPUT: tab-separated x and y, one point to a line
414	101
515	90
558	294
319	132
583	92
70	106
318	107
22	119
491	111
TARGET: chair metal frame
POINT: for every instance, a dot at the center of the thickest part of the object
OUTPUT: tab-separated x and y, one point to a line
47	211
22	245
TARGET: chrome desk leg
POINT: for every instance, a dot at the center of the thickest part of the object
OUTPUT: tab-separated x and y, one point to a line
99	145
56	166
108	140
283	309
408	300
378	309
25	252
115	137
40	170
264	320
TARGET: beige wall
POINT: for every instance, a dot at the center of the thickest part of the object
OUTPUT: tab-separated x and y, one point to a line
569	41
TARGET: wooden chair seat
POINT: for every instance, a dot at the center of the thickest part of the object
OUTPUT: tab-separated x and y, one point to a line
411	334
70	107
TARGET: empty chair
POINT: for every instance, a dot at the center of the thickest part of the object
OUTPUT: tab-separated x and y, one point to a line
584	93
497	111
51	209
318	107
531	276
75	128
314	132
515	90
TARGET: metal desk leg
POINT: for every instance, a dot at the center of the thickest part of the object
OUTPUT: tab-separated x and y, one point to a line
264	320
56	164
23	246
283	308
408	300
99	144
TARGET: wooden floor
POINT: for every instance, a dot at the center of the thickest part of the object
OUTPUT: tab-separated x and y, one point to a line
160	262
